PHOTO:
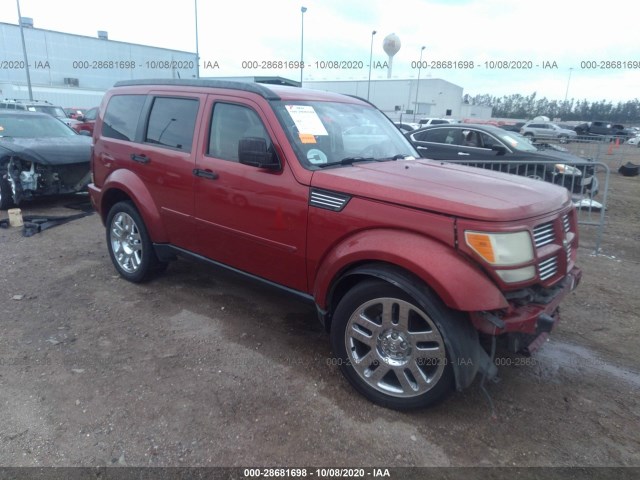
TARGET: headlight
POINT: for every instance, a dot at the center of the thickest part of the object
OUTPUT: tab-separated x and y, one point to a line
501	249
568	169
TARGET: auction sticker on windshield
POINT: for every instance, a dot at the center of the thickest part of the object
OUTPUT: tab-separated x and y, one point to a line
306	119
316	156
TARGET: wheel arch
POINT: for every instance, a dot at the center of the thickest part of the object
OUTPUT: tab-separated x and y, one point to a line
460	337
458	283
124	185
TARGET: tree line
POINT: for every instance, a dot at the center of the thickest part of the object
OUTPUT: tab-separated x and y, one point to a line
525	107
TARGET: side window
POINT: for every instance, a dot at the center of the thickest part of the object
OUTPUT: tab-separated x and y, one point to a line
469	138
172	122
122	115
487	141
91	114
438	135
229	124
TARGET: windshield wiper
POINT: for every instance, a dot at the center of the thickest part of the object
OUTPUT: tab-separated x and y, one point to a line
348	161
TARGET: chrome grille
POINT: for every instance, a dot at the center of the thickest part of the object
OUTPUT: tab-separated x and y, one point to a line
548	268
543	234
566	226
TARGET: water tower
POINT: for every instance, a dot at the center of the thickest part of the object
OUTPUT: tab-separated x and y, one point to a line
391	44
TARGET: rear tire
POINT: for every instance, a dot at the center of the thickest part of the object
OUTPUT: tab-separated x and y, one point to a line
129	244
391	347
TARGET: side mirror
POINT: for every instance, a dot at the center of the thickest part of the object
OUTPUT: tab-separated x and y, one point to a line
499	149
253	151
80	118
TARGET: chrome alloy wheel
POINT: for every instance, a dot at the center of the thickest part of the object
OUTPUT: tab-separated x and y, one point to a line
395	347
126	242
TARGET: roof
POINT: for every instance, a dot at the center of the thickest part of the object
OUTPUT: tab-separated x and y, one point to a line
269	92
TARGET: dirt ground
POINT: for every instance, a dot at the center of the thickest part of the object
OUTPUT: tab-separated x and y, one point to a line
201	368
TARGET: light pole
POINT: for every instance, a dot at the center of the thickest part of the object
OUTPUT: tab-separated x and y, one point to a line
418	85
302	10
370	58
197	51
568	81
24	52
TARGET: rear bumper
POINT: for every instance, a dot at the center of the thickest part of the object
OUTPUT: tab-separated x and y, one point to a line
537	314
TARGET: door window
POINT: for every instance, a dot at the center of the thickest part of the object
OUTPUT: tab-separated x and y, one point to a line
172	122
229	124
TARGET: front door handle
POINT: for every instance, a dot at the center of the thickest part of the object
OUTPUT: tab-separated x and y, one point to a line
463	154
140	158
208	174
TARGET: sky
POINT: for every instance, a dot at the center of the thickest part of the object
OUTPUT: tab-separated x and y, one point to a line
555	48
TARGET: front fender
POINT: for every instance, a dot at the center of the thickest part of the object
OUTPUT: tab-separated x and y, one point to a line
460	284
132	186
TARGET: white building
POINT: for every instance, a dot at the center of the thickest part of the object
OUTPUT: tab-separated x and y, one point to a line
75	70
429	97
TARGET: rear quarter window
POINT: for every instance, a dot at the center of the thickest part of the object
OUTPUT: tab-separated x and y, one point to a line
121	117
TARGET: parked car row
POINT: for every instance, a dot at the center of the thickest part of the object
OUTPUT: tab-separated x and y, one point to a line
564	133
37	106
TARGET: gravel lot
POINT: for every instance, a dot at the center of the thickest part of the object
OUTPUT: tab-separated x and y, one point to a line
200	368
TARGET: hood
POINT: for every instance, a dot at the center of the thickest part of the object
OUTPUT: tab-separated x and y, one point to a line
456	190
48	151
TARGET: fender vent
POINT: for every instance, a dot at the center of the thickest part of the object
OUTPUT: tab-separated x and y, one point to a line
328	200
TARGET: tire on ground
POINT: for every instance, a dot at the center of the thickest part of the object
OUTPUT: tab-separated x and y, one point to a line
391	347
129	244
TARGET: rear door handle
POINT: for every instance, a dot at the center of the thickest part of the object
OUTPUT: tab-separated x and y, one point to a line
140	158
208	174
463	154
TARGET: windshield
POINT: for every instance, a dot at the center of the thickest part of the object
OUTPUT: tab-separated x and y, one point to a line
55	111
324	133
32	126
517	142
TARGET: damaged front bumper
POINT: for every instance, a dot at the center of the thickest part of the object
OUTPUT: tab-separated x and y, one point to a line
531	315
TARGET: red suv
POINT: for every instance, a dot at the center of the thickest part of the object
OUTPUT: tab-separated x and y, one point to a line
408	261
86	122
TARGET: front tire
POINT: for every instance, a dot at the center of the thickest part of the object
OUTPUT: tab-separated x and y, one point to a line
129	245
391	347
